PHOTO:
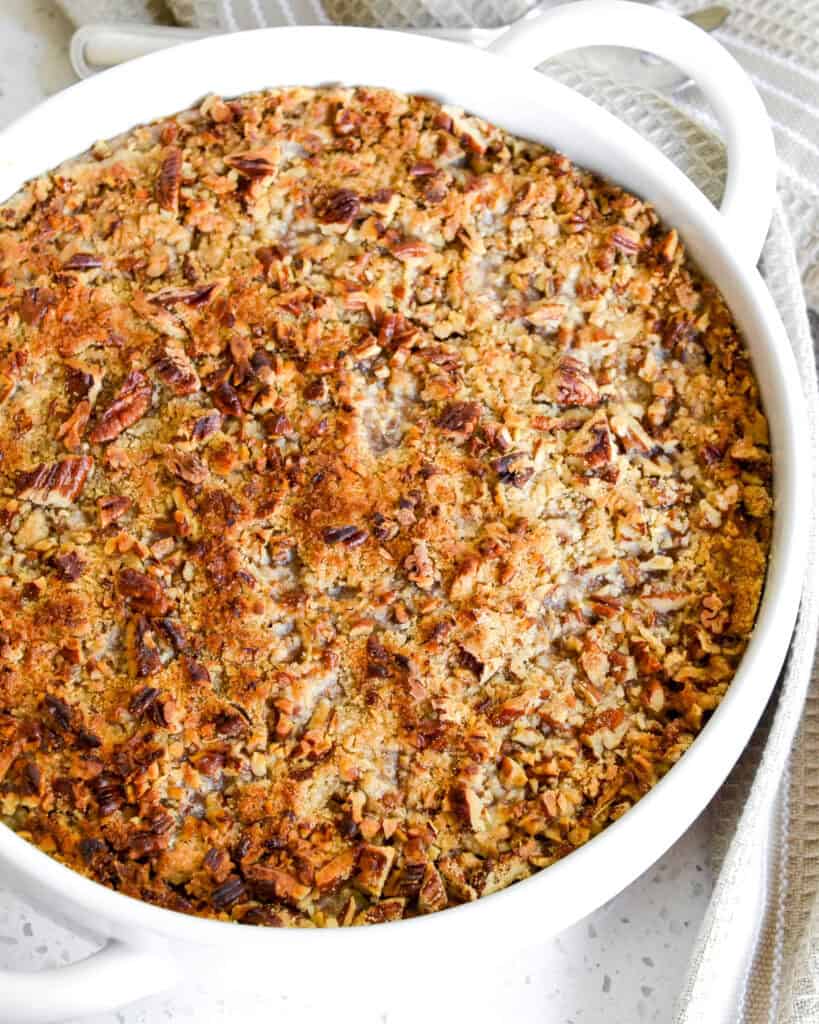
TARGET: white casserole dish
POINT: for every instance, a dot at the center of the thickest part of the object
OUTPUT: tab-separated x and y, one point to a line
146	947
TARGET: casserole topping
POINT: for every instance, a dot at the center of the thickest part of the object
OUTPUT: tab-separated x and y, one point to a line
385	507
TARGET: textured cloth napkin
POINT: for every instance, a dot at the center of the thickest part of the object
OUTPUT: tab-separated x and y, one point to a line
757	955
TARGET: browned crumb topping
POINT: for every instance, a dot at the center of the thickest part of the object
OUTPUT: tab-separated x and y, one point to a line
385	505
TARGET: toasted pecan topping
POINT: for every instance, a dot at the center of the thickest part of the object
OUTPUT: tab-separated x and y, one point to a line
428	524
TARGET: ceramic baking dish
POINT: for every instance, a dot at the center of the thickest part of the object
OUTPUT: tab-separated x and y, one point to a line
145	947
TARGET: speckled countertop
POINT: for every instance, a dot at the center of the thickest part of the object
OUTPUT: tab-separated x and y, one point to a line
622	965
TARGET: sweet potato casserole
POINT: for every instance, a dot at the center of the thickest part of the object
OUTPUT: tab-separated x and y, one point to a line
385	507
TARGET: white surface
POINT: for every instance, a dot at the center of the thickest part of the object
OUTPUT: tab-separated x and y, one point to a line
623	964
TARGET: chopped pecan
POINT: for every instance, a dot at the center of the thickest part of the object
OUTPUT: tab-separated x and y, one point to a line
340	207
336	871
34	305
593	442
55	483
231	724
251	165
71	430
669	246
572	384
143	657
349	536
466	805
206	425
432	894
374	863
177	371
626	239
60	712
545	314
511	469
631	432
109	793
112	507
465	578
82	261
69	566
595	663
167	183
226	400
144	592
383	911
142	700
188	466
346	121
131	403
276	883
411	249
228	893
460	418
420	567
197	296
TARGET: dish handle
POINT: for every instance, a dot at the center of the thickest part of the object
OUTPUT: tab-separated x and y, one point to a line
750	186
116	975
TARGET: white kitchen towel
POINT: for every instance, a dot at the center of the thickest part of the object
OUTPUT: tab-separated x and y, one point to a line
757	955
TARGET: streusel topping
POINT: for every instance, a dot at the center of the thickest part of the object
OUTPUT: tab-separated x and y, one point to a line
385	507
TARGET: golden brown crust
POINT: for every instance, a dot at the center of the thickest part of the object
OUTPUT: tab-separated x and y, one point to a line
386	502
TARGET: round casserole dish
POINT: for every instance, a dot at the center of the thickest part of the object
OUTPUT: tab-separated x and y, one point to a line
147	946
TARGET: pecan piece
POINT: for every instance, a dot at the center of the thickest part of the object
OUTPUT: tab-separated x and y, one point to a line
346	121
340	207
275	883
460	418
188	467
336	871
109	793
350	536
572	384
626	239
167	183
251	165
177	372
143	657
466	805
131	403
432	894
593	442
206	425
142	701
144	592
187	296
512	469
420	567
374	863
71	430
228	893
82	261
69	566
55	483
226	400
230	724
411	249
112	507
34	305
383	911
